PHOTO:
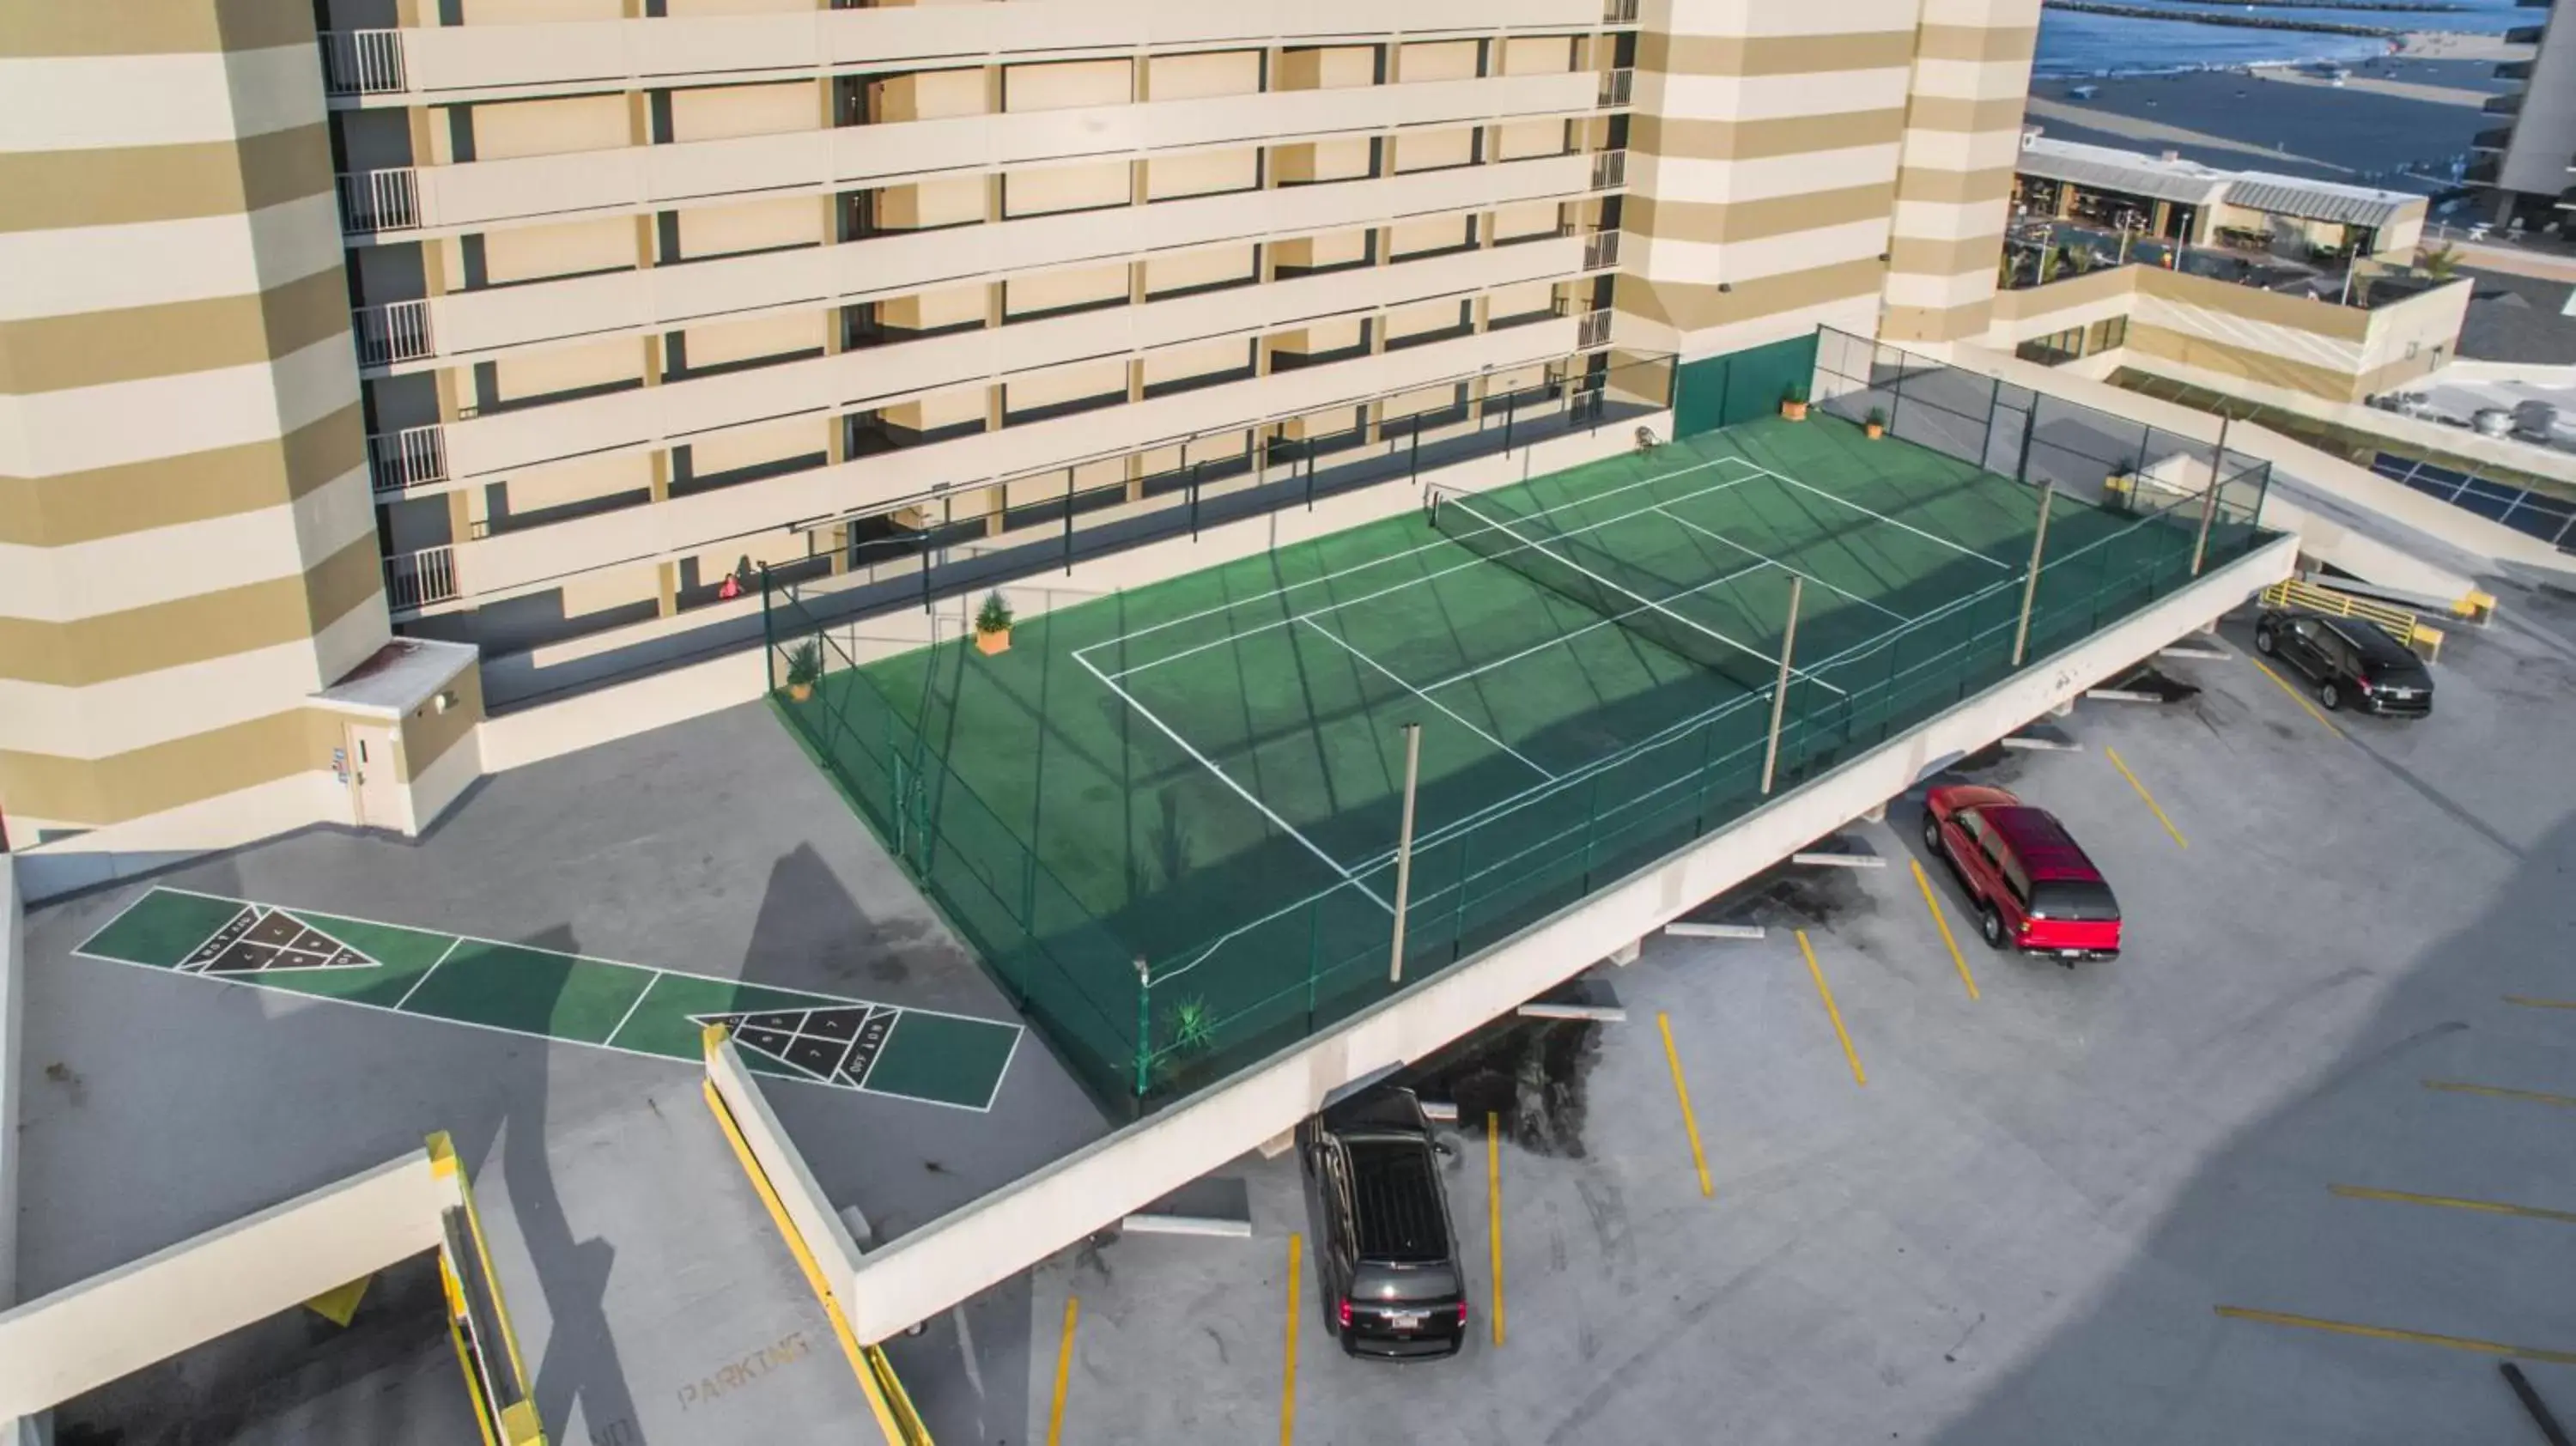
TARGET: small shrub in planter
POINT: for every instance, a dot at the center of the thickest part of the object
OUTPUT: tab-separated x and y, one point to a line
1877	424
1793	403
804	669
993	626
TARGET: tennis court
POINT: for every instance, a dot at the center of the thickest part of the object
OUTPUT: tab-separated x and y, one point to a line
1168	819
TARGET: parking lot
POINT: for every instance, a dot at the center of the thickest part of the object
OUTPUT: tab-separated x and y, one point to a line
2294	1168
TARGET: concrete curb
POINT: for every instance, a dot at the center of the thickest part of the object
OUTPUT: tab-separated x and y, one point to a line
1685	929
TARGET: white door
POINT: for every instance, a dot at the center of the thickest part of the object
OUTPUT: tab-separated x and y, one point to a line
374	779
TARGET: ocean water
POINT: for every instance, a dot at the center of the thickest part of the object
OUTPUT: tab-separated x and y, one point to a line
2074	43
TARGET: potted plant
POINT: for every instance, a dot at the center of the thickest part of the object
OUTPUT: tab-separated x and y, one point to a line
2122	483
1793	402
993	626
1876	426
804	669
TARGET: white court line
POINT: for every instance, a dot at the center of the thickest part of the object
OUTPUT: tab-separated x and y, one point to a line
1611	621
451	948
649	986
1784	567
1477	561
1223	777
1426	547
1656	606
1427	698
1883	517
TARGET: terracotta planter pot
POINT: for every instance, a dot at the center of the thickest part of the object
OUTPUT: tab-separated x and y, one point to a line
1876	430
800	691
1794	411
994	642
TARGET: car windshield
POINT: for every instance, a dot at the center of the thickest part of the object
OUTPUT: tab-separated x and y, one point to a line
2073	899
1404	1283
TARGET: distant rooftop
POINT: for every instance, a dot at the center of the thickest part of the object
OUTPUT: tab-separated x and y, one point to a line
2170	178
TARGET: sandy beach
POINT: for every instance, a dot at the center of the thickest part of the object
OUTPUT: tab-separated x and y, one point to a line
2414	109
2453	45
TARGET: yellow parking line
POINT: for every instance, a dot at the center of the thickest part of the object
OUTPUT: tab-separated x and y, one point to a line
2299	698
1063	1370
1681	1090
1941	921
2386	1333
1288	1380
1826	990
2152	806
2452	1086
2484	1207
1494	1212
2540	1003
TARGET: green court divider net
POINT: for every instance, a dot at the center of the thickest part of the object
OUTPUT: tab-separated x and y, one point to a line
1141	1033
1726	391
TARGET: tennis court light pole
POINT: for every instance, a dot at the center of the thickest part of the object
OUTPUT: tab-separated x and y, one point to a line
1404	848
1780	690
2209	504
2030	583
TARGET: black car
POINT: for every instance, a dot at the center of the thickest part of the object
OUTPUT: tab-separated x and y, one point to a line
2349	660
1384	1254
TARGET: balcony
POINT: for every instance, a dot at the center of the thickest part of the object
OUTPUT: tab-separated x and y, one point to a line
469	323
415	580
2510	103
396	332
401	461
2484	170
2525	34
2492	140
445	63
479	194
362	62
2513	70
1617	88
512	561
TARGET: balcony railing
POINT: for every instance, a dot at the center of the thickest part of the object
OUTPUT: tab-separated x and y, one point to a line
1617	86
362	62
2525	34
395	332
2513	70
412	457
1609	170
1601	251
2492	140
1619	12
1592	330
420	579
377	201
2509	103
2484	170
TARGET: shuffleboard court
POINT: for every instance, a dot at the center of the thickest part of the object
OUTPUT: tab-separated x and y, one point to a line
881	1049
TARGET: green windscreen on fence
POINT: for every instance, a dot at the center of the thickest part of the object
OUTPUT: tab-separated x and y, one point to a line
1729	390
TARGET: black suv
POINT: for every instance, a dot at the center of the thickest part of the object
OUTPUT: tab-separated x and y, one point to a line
1384	1255
2350	661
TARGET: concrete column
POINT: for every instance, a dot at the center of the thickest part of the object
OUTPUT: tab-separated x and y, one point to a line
1626	954
1877	813
666	597
661	481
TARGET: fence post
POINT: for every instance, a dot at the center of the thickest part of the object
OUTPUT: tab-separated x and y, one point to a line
1194	501
1144	1024
1068	522
925	572
2029	427
1508	398
1780	690
768	637
1413	463
2030	584
1898	405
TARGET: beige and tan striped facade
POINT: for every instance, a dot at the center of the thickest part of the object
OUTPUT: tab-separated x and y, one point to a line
520	324
1846	163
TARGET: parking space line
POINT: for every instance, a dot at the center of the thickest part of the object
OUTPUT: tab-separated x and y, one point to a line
1063	1370
1941	921
2298	697
1826	991
2389	1333
1288	1380
2152	806
2529	1003
2457	1087
1494	1211
2484	1207
1681	1091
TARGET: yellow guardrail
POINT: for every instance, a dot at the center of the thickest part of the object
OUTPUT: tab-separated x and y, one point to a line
516	1417
2399	623
887	1399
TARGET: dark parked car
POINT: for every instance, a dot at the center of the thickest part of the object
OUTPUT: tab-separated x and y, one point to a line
2033	887
1384	1254
2349	660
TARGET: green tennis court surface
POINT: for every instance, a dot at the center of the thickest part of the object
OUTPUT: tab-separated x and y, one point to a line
851	1044
1205	775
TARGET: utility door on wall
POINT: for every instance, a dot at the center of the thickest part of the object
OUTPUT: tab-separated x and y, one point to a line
375	783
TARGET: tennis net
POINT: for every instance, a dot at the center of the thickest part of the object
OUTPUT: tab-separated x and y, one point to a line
1585	574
